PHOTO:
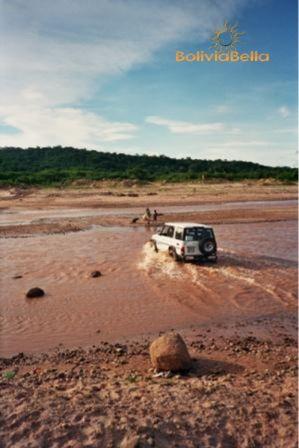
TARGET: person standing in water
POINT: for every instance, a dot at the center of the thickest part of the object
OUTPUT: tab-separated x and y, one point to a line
147	215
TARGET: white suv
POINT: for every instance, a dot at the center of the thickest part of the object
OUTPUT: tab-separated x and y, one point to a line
186	241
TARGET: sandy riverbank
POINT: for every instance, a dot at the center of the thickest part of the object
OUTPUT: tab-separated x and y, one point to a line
132	194
240	392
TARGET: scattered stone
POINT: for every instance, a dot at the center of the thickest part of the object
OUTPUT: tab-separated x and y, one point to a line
166	374
17	276
96	274
130	441
169	353
35	292
151	441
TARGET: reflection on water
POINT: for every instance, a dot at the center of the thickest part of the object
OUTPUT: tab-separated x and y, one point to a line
140	291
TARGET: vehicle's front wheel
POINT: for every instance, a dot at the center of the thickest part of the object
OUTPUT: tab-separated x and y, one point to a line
173	254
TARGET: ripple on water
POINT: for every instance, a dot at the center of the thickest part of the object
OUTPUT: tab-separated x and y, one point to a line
140	291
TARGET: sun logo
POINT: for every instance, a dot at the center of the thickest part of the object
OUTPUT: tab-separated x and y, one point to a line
226	38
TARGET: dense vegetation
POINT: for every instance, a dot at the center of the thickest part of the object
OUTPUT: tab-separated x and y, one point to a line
58	165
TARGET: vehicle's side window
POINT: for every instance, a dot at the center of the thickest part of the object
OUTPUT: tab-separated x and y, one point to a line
170	232
164	231
179	234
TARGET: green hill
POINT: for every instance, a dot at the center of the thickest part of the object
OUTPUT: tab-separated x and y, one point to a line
61	165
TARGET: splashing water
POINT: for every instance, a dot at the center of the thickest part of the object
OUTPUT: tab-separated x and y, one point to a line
158	263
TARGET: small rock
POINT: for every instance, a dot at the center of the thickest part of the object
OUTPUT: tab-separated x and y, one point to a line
151	441
35	292
169	353
163	374
15	277
96	274
130	441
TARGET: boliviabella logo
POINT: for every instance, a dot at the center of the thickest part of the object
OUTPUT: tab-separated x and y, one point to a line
224	43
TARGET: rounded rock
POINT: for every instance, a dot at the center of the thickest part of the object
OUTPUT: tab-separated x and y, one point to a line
169	353
35	292
96	274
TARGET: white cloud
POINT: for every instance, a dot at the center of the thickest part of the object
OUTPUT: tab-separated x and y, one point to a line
264	152
234	131
184	127
54	53
41	125
287	131
242	143
284	111
222	109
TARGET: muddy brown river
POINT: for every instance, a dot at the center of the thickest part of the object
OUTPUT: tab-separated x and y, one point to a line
140	291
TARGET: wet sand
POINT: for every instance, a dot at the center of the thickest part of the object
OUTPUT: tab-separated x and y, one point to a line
54	243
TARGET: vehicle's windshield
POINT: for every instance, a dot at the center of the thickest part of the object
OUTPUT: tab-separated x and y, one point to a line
197	233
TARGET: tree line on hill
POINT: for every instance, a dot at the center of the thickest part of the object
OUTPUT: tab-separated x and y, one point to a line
54	166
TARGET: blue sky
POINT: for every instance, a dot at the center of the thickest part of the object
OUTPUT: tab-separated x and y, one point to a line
102	74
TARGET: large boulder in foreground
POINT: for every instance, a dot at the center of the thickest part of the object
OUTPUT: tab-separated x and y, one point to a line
35	292
169	352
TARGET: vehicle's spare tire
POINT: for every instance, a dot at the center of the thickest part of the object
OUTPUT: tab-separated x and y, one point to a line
207	246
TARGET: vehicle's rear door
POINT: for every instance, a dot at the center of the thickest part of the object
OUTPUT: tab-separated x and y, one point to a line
191	242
